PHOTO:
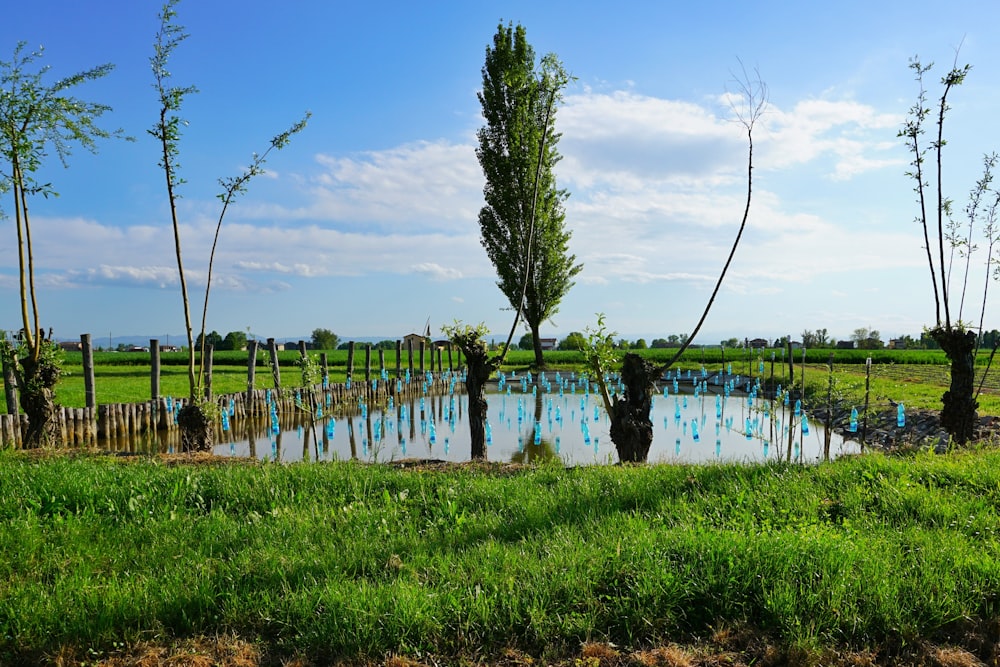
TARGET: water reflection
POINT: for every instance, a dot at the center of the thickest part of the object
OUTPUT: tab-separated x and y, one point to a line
526	427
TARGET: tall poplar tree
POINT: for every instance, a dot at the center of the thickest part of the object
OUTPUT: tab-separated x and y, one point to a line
523	222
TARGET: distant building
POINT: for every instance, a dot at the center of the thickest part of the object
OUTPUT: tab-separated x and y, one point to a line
548	343
71	346
759	342
845	345
415	339
897	343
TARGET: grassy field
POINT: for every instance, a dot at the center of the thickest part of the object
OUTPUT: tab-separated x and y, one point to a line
835	563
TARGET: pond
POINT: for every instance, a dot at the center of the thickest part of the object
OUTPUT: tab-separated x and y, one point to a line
531	423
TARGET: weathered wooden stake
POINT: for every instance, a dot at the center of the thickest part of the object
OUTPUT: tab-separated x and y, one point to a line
275	370
350	360
791	366
251	374
829	412
399	359
154	369
88	371
864	422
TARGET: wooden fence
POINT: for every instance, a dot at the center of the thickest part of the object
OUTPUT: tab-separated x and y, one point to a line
91	425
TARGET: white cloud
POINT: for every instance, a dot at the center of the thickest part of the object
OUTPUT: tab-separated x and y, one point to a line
435	184
657	194
436	271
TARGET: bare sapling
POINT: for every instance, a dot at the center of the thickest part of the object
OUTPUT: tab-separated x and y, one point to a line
631	426
197	417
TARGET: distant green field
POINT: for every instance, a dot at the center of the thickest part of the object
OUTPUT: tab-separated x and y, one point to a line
917	377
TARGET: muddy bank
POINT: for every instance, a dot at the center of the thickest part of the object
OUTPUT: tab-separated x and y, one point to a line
923	429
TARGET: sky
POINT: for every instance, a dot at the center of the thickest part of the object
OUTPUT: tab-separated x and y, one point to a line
366	224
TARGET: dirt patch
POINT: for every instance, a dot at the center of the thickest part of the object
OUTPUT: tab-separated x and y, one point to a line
729	648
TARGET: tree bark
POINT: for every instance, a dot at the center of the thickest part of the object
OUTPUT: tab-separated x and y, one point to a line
36	381
631	427
958	414
536	344
196	428
479	369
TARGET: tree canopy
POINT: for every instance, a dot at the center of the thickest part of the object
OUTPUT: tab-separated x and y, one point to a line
522	224
324	339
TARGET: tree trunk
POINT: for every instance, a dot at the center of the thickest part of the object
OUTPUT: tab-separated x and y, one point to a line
36	381
958	414
196	429
631	427
479	368
536	343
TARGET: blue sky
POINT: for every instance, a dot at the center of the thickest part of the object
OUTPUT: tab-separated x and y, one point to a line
366	223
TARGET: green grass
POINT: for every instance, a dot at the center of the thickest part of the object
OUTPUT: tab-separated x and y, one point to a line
345	560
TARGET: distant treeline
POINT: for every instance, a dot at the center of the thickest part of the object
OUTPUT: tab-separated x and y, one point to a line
555	358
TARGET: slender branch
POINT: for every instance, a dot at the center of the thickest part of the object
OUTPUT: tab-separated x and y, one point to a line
991	232
35	344
19	223
756	100
989	362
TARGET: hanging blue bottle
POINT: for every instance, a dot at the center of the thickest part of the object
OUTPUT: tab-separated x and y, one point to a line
853	427
900	416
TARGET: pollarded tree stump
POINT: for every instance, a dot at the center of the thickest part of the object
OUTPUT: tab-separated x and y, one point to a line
197	433
631	427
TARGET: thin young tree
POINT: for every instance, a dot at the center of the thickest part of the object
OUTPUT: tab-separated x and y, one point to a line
37	119
631	427
196	417
943	238
524	233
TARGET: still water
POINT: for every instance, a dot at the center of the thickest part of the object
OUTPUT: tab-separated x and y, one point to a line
529	424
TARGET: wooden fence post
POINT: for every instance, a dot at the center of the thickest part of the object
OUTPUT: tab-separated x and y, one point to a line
381	361
791	366
423	344
368	364
275	370
251	374
409	354
154	370
450	364
350	360
324	363
399	359
88	371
